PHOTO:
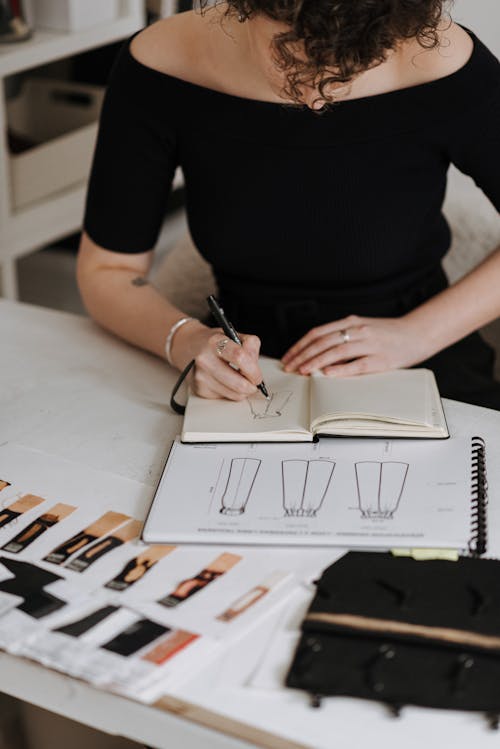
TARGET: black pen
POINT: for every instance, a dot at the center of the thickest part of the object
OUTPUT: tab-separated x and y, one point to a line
229	330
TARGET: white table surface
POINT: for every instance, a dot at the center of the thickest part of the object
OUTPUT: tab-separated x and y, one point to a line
72	390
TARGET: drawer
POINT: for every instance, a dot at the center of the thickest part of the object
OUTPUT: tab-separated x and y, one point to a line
59	120
73	15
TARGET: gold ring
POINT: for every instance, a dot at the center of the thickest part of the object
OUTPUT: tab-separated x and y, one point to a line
221	345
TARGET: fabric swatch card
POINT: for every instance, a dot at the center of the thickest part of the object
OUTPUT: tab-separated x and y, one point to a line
98	529
18	508
39	526
126	533
214	591
117	648
137	567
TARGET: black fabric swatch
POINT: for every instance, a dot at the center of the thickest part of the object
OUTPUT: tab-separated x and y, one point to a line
79	627
28	583
135	637
40	604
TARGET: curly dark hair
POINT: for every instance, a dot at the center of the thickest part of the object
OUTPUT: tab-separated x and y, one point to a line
340	38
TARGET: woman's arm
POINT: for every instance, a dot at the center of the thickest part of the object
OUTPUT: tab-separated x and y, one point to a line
380	344
472	143
467	305
117	294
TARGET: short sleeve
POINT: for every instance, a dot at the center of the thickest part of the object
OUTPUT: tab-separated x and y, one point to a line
475	146
134	159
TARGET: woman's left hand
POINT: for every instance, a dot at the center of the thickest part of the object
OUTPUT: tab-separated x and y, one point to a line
357	345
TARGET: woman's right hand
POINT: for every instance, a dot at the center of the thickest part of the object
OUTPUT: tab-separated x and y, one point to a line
213	376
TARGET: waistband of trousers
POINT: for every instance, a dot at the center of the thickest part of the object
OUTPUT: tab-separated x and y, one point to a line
411	290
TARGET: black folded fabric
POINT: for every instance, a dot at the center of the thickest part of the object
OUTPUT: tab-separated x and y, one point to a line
404	632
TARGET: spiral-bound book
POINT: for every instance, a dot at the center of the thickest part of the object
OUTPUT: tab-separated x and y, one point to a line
336	492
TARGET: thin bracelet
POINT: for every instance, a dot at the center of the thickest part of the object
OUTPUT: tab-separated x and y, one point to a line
173	330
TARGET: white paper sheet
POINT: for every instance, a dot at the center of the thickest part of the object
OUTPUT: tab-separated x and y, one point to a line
375	493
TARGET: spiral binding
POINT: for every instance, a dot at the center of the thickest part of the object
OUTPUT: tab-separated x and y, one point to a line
479	499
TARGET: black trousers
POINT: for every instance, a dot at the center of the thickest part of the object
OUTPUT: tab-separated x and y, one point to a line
280	316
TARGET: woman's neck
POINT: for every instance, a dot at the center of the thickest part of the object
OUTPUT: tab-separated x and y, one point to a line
249	47
236	58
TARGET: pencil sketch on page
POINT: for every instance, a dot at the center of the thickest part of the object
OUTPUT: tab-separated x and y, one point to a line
380	486
275	406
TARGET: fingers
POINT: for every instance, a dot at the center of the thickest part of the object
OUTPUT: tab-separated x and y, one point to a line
251	343
331	347
213	378
207	386
251	350
244	358
364	365
343	353
354	346
299	352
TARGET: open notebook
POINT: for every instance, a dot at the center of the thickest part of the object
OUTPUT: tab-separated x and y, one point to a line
403	403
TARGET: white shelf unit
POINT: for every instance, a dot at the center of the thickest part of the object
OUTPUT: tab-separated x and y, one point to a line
37	225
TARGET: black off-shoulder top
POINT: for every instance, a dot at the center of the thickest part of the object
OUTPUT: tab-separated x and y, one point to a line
279	195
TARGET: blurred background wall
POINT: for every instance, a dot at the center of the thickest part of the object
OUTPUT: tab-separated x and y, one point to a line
483	17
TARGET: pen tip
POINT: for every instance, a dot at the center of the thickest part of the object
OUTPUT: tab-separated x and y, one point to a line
264	391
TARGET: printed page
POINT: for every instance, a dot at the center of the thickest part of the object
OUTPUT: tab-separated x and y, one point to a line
400	396
354	492
285	413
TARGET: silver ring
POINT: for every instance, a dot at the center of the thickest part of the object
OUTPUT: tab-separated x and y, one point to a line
221	345
345	336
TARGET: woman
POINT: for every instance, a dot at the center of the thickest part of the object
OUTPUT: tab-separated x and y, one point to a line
315	137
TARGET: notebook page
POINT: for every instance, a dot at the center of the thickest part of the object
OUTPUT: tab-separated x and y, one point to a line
436	415
286	410
401	396
339	492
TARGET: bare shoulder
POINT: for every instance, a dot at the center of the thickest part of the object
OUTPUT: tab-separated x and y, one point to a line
452	53
455	49
177	45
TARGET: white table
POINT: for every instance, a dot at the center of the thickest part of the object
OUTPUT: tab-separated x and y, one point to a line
70	389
